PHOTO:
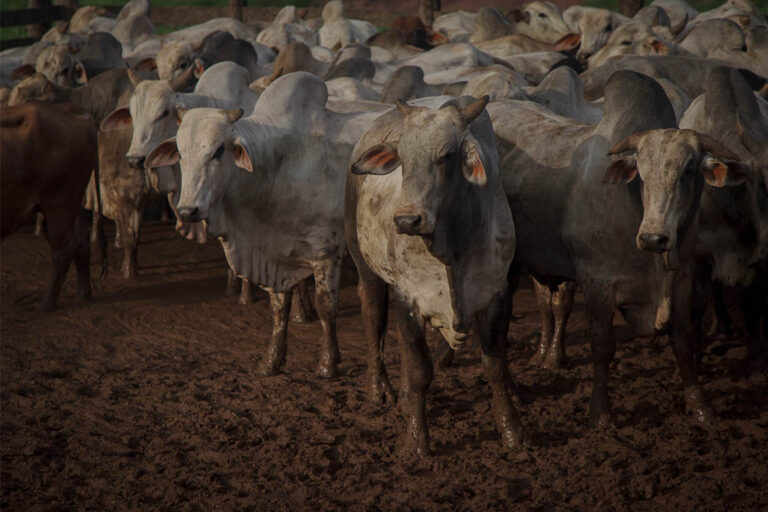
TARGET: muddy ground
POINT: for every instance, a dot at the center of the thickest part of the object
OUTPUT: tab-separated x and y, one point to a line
147	399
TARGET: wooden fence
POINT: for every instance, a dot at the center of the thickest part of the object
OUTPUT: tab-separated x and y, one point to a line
38	18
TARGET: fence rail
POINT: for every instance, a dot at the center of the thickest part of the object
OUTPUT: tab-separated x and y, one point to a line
38	18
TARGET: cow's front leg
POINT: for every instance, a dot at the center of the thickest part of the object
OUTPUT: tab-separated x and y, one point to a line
373	293
415	356
129	238
492	328
544	302
562	305
232	283
600	308
327	276
246	292
682	336
275	356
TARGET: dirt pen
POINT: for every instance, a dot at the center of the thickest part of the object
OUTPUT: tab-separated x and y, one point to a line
147	399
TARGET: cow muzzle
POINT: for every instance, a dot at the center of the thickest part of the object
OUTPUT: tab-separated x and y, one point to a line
135	162
653	242
413	223
189	214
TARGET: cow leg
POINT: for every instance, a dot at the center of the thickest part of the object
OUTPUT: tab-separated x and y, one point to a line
303	310
600	314
232	282
415	355
754	304
82	254
373	307
246	292
275	356
562	305
444	354
721	319
129	238
544	302
327	277
63	242
493	338
39	224
683	344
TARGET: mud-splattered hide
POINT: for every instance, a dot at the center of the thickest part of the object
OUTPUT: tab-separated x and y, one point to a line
432	219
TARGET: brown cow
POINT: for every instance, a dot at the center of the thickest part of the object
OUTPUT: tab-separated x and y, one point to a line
54	185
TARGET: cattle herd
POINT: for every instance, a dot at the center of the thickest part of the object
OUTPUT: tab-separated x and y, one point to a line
625	157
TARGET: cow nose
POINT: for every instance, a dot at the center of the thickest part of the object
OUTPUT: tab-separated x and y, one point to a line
654	242
408	224
137	162
189	214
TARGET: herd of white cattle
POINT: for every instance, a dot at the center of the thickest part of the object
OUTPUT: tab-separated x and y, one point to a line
624	156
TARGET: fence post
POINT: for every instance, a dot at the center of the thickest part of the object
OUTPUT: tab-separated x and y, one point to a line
236	9
38	29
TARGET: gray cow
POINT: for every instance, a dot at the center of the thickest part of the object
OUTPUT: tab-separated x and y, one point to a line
582	214
271	187
733	239
426	215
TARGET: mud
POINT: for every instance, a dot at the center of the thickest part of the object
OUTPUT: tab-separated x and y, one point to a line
147	398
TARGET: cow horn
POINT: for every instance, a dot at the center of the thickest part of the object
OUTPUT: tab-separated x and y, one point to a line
183	79
474	109
680	26
628	144
715	148
180	111
234	114
404	107
133	77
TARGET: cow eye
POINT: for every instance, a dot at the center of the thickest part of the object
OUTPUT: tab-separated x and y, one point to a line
64	71
164	114
542	15
183	65
626	43
219	152
608	28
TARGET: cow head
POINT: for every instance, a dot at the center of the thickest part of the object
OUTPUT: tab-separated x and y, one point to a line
33	88
440	159
151	112
633	38
673	166
206	148
595	28
539	20
174	58
61	67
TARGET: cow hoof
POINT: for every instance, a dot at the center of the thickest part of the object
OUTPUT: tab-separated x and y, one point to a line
268	369
245	300
379	388
231	291
537	359
554	363
84	295
705	416
418	448
600	421
129	273
303	317
328	371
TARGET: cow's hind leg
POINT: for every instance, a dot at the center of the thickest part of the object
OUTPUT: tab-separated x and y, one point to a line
562	305
246	292
327	277
129	227
303	310
275	355
232	283
82	240
492	328
544	302
63	242
415	355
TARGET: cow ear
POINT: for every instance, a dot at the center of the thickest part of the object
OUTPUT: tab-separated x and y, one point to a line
166	154
658	47
379	160
515	15
721	173
23	71
146	65
117	120
199	68
472	164
567	42
242	159
622	170
81	76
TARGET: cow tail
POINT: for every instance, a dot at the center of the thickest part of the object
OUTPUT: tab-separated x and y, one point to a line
101	235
